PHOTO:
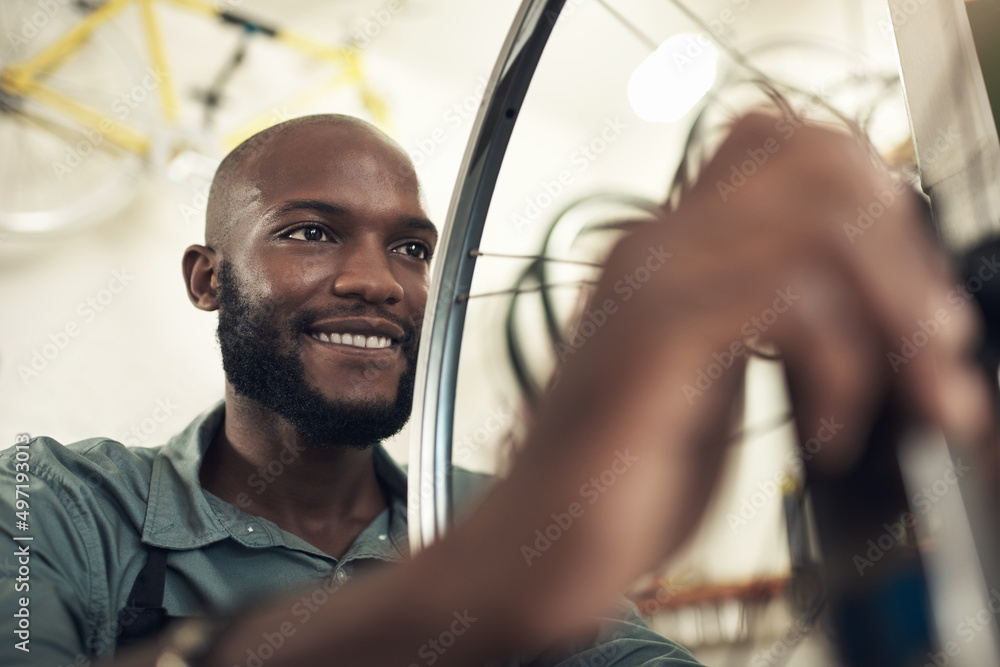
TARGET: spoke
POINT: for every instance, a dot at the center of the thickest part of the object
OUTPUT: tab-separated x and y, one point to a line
631	27
726	45
70	84
521	290
758	430
21	191
34	174
537	258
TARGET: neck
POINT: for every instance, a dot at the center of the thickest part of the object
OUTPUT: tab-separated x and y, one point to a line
260	464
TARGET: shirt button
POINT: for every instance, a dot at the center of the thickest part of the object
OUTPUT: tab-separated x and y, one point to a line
249	529
341	576
381	537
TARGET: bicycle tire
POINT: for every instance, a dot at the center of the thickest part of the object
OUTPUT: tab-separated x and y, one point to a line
430	512
59	175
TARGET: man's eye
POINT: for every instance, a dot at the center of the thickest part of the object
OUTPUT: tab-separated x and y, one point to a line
309	234
414	249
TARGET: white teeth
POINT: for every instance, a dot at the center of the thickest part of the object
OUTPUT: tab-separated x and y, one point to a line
355	340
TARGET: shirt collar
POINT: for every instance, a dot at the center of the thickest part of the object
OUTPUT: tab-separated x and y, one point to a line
182	515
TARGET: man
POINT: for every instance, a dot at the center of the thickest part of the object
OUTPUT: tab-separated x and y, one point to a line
315	231
317	258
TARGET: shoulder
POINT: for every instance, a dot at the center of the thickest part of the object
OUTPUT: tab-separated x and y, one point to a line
621	639
94	466
82	506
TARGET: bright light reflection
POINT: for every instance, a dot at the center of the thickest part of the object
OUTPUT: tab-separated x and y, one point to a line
673	79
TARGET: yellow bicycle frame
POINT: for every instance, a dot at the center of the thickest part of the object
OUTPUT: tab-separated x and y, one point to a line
26	79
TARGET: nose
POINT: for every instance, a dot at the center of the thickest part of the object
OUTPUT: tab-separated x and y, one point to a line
366	273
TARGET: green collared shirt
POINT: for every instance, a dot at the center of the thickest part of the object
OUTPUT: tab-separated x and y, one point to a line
95	505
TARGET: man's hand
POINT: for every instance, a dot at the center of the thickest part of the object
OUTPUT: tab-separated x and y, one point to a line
792	240
817	228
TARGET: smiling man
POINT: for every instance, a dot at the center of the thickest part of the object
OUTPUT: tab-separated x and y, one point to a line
317	261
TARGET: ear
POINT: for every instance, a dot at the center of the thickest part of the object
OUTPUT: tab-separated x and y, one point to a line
200	264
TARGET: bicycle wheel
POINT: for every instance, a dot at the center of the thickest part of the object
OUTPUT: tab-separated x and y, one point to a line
58	172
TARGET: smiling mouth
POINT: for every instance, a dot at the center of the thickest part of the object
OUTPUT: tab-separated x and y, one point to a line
354	340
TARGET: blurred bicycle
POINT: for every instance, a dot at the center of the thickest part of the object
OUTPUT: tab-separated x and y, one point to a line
83	113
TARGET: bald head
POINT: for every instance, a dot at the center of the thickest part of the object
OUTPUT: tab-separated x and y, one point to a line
238	180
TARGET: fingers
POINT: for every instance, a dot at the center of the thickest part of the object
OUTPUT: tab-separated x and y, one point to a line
929	326
820	188
831	348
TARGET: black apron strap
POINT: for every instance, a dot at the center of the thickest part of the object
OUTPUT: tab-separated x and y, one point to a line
144	615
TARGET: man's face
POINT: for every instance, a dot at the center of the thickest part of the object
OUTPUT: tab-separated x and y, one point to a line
324	284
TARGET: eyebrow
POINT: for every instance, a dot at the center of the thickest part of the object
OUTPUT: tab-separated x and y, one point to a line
308	205
422	224
326	208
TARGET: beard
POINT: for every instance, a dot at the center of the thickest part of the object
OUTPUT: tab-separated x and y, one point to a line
262	359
